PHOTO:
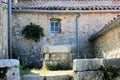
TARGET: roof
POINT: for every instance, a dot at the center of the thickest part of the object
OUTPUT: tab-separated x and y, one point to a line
110	25
67	5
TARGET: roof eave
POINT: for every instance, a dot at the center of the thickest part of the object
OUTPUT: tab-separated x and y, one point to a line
63	11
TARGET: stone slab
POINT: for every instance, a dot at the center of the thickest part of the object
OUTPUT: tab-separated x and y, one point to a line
111	62
9	63
88	75
47	56
41	77
88	69
13	73
57	49
94	64
32	77
57	77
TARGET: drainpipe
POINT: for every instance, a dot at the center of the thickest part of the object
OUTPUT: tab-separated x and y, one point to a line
9	29
78	36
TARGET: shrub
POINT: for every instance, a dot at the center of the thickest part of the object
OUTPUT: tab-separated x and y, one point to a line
59	66
32	65
109	73
45	78
33	31
3	73
70	77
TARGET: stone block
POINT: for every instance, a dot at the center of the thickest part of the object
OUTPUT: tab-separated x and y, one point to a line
13	73
57	49
12	68
66	56
88	75
32	77
48	77
111	62
47	56
57	77
88	69
54	56
87	64
9	63
60	56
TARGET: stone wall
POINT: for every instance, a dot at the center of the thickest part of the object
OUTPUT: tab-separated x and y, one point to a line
108	44
90	69
89	24
23	47
3	30
12	69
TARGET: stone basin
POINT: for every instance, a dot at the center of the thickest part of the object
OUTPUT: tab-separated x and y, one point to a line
57	49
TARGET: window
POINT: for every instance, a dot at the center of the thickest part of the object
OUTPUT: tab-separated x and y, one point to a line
55	26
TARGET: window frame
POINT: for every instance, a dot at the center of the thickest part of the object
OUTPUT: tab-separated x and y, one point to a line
54	30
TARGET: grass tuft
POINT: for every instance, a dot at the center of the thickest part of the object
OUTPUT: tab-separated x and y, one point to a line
44	71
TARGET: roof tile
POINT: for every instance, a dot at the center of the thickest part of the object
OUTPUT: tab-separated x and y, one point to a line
68	4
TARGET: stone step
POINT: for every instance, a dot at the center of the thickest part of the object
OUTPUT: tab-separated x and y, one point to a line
42	77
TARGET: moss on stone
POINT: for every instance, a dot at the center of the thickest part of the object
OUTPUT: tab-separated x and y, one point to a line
3	72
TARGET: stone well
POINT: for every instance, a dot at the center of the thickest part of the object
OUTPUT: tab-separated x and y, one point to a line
9	67
56	54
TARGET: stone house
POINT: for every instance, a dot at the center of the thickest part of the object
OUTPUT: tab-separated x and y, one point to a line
3	29
107	41
66	22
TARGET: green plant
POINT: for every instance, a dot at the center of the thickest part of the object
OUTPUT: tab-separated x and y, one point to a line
31	65
3	73
100	55
24	71
45	78
84	55
59	66
33	31
70	77
109	73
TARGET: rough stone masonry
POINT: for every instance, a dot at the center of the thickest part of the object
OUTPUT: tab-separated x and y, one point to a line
89	69
3	30
89	24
